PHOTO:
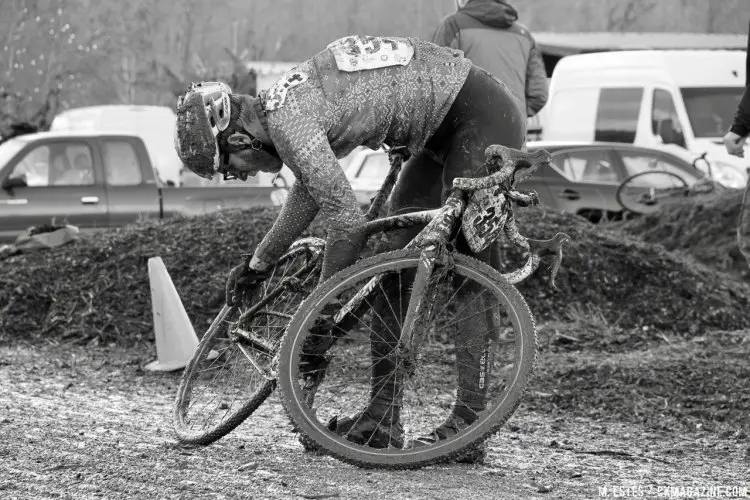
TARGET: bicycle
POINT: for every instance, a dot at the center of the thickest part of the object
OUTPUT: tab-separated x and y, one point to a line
373	328
649	191
230	374
233	369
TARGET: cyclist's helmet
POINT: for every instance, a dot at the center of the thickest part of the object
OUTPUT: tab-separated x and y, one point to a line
203	115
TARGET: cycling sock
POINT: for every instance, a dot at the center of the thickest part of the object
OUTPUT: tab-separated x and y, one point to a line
473	358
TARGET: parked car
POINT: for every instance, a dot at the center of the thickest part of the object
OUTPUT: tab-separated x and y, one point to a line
582	177
97	180
653	98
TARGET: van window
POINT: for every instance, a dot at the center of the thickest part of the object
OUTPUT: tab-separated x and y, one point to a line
664	120
710	110
121	164
573	116
617	114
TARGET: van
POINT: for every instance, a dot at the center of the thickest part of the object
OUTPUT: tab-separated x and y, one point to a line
654	98
153	124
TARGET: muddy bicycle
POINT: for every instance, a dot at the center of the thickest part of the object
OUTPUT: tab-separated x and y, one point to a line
407	309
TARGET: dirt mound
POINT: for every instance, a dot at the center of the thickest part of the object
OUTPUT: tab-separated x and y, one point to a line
707	230
98	286
695	384
629	282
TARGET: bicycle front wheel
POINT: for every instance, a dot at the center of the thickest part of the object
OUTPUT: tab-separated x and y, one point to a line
648	192
229	375
473	355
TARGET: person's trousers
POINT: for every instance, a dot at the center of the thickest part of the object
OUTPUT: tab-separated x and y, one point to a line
484	113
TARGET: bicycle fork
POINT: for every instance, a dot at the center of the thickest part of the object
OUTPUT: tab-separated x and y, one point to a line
418	313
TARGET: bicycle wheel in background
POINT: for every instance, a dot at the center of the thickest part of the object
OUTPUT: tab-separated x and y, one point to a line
648	192
228	376
477	321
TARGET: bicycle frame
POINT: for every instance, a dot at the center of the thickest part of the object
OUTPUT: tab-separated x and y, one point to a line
442	226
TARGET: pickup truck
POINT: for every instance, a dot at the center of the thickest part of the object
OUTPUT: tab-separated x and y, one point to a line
96	180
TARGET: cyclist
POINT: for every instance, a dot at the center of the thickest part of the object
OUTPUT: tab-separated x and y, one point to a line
360	90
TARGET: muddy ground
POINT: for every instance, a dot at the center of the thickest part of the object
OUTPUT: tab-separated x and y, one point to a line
88	422
643	382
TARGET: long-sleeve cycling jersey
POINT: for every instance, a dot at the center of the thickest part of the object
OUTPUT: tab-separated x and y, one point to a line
358	91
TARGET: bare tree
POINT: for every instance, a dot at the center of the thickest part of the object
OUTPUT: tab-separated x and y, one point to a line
624	15
41	58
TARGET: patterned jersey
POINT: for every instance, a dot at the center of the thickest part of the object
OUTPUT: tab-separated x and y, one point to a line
358	91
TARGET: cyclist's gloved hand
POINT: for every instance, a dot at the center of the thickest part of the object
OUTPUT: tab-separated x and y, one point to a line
242	279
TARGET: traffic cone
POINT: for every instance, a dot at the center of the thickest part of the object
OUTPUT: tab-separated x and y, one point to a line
175	337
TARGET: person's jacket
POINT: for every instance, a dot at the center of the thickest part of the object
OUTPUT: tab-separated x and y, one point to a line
488	34
741	123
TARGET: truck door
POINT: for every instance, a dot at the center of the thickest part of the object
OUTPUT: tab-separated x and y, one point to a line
132	191
51	180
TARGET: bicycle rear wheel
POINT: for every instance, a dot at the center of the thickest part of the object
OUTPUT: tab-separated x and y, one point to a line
474	358
229	376
648	192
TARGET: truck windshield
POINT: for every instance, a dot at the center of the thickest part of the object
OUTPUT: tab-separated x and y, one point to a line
10	148
711	110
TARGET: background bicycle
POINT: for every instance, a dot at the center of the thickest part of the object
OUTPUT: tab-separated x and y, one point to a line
658	187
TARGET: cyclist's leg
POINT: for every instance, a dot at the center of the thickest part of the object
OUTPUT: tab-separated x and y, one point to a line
418	188
484	113
342	250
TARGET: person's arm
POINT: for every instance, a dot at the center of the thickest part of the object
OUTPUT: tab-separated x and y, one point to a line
734	140
323	186
537	89
298	212
741	122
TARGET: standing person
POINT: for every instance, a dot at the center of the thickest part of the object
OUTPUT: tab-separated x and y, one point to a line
360	90
735	139
488	33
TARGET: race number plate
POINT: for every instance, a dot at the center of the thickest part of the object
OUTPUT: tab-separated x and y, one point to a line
277	94
357	53
484	218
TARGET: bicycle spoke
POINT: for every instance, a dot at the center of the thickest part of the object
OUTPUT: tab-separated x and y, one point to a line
230	378
395	398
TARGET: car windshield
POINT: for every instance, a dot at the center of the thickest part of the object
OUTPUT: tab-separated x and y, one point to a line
9	148
710	110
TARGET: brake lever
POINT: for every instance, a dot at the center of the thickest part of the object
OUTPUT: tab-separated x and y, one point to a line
554	245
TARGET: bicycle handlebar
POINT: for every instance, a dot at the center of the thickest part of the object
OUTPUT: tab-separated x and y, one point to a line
509	162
